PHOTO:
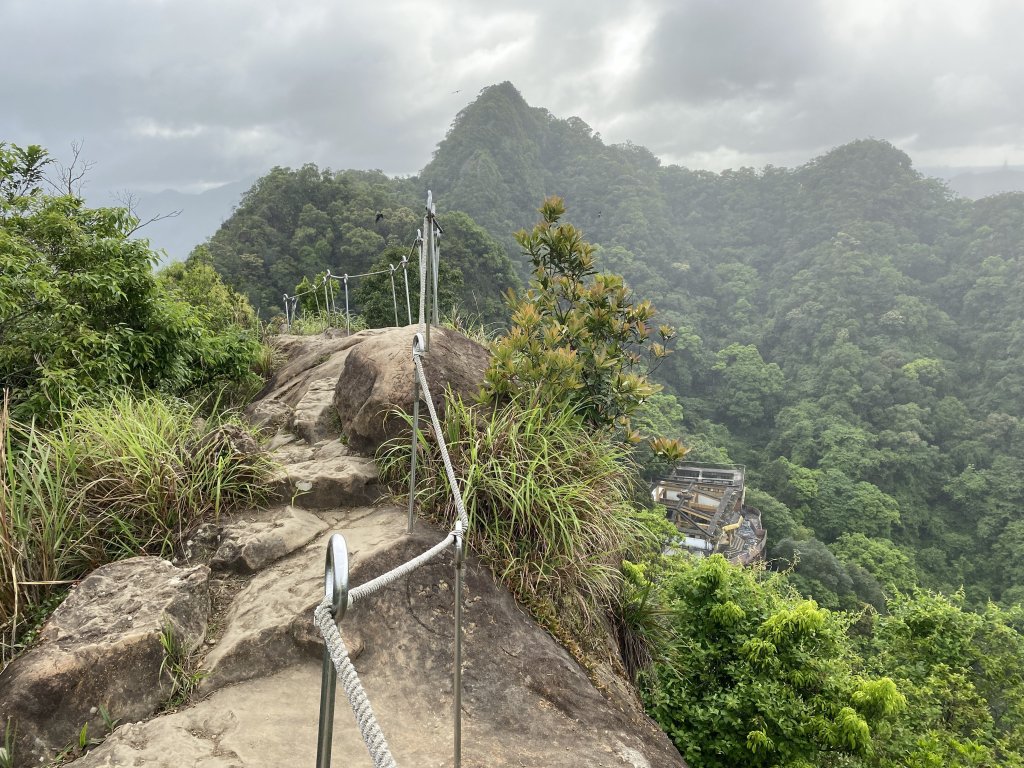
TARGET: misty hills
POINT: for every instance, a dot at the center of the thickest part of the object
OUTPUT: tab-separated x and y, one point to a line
192	218
849	329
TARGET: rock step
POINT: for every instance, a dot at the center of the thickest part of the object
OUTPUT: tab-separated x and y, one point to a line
250	546
269	623
326	475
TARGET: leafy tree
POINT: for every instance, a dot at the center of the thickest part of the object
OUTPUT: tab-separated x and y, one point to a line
889	565
749	385
756	676
195	282
80	309
960	673
576	334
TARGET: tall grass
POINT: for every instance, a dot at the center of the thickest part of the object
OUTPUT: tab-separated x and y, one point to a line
43	535
314	323
548	502
135	475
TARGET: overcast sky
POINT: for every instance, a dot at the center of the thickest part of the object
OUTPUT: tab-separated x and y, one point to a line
188	94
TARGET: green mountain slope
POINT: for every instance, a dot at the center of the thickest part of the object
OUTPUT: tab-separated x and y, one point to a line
849	329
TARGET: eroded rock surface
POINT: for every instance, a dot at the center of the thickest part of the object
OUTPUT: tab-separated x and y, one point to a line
325	475
525	702
102	648
377	377
347	385
247	547
269	624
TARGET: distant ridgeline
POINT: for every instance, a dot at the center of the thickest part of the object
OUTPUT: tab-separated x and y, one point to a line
850	331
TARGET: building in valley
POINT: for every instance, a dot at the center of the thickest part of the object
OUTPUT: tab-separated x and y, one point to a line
706	504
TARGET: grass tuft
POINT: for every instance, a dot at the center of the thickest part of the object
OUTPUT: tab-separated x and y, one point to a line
133	476
549	506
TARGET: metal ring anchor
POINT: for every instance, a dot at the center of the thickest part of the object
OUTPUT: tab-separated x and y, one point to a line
336	576
335	590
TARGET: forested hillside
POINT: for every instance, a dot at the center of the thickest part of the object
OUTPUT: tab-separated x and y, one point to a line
295	224
848	329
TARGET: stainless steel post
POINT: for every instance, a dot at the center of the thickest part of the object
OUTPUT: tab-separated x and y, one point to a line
394	296
428	252
336	590
460	563
435	260
327	295
416	345
348	320
408	301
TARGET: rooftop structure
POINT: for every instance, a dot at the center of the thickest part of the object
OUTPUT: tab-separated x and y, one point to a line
706	504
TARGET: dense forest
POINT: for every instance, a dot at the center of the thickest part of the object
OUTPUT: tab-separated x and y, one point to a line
849	330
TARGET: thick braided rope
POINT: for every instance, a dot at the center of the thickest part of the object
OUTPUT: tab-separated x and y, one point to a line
374	739
367	589
368	727
436	424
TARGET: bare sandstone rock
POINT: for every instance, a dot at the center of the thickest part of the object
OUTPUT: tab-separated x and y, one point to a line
249	547
102	648
377	376
269	625
300	395
326	475
526	702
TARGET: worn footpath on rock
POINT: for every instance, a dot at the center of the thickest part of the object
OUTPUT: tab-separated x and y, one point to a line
526	702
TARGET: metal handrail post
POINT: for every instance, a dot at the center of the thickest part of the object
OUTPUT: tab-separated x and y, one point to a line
436	260
428	251
408	301
460	563
328	290
335	590
416	346
348	321
394	296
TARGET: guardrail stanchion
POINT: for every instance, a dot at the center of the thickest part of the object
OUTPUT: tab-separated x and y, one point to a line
328	291
416	346
394	296
405	276
460	562
336	590
348	321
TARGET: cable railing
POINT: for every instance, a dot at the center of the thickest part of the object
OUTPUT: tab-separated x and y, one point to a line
338	597
330	279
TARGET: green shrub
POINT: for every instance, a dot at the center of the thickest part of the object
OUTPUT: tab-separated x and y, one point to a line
548	502
753	675
577	336
82	314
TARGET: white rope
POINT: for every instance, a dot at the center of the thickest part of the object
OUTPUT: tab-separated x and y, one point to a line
436	424
377	584
362	274
370	730
372	735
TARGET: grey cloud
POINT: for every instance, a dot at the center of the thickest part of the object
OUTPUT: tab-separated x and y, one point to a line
189	93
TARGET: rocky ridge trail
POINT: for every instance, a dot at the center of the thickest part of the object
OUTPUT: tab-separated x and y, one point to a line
526	702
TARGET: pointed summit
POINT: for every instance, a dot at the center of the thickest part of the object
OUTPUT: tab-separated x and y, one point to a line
490	159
